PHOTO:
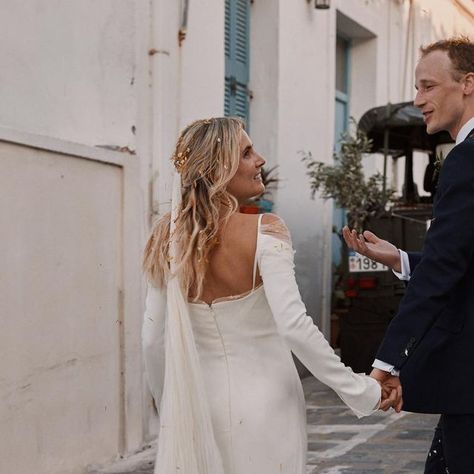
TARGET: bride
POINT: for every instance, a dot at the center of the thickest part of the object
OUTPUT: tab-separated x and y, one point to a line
223	314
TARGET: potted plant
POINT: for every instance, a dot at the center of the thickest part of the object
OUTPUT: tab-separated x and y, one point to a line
363	199
344	181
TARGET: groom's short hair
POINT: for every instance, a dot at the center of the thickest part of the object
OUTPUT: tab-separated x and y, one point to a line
460	50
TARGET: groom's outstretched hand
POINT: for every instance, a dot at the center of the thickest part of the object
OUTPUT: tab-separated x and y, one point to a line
369	245
391	390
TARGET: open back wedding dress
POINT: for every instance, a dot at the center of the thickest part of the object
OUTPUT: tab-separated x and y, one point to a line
244	344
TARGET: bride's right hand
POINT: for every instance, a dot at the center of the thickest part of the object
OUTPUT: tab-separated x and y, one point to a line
391	391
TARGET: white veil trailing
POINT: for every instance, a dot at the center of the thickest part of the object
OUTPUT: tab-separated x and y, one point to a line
186	443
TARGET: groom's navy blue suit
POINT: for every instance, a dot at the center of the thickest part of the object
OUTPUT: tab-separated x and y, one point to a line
431	339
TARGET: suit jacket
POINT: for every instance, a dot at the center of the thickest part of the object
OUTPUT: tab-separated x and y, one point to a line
431	339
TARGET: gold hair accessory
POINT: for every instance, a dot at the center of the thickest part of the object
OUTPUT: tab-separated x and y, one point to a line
180	160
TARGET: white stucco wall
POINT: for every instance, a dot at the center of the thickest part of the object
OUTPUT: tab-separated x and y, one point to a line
72	291
112	73
306	123
69	306
286	114
68	69
187	80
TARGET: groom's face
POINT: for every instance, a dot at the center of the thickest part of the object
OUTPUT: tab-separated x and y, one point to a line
440	95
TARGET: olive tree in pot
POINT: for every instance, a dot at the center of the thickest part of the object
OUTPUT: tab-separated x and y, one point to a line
344	181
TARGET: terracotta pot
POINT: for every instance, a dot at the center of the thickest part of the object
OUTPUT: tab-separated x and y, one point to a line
249	209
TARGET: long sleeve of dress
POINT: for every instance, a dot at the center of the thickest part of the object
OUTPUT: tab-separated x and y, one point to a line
153	343
275	259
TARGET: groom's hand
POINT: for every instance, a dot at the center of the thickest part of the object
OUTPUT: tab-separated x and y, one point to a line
391	390
369	245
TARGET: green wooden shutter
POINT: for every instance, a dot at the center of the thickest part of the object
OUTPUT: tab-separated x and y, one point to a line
236	99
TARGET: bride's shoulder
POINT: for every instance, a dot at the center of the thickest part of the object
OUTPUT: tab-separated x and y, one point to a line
275	226
268	218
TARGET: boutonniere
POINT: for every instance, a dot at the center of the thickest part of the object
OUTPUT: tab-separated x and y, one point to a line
439	161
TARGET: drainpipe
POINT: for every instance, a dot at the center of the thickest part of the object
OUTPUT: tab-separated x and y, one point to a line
410	29
184	23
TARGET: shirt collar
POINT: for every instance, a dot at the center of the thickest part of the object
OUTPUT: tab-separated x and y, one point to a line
465	129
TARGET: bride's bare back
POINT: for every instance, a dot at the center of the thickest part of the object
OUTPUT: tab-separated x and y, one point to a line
231	263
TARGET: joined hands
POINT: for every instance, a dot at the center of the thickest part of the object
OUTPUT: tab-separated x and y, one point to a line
391	390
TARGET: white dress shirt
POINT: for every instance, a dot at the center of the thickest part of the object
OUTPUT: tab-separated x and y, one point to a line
405	263
464	130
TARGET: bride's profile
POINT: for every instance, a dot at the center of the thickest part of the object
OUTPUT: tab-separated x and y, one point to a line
223	314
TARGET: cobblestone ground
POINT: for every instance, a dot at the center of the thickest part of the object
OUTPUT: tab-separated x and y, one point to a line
339	443
386	442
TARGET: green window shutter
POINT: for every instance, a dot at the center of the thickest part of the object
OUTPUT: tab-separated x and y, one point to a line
237	15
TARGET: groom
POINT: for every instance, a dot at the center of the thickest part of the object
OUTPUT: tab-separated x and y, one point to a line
430	342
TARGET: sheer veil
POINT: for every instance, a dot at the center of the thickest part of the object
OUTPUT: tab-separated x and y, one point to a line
186	443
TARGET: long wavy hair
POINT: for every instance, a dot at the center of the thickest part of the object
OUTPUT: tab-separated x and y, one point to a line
207	157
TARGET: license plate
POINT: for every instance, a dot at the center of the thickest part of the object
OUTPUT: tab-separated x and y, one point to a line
359	263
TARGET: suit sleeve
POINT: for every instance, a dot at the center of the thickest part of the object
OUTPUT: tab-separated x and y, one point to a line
414	259
275	259
447	253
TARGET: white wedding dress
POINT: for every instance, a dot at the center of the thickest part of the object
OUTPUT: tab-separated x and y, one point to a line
244	344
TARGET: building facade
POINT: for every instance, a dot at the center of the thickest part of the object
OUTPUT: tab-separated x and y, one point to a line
93	96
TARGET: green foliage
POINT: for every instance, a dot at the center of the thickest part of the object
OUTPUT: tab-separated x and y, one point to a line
345	181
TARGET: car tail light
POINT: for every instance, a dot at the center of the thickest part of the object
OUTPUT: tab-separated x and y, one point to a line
351	293
367	283
351	283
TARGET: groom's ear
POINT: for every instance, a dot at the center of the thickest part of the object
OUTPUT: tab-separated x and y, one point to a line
468	88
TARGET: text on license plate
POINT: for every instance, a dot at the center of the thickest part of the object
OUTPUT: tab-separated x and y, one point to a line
359	263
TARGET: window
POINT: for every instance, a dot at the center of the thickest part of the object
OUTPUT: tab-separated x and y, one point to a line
342	119
342	89
236	100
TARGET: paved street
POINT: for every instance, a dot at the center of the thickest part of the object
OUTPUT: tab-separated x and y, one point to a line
338	443
385	443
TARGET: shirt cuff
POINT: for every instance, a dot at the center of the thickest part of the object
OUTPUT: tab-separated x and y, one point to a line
405	264
378	364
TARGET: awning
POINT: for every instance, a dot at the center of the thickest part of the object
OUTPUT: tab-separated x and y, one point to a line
405	127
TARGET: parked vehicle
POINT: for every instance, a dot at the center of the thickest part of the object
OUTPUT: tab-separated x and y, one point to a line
372	292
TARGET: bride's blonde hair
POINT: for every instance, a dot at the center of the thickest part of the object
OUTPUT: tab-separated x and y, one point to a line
207	157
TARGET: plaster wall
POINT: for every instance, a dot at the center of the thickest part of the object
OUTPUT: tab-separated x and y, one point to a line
68	69
113	73
187	81
264	78
284	119
306	118
69	353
